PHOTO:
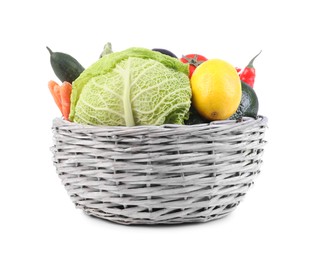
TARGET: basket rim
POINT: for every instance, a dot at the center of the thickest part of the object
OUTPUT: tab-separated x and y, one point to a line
245	120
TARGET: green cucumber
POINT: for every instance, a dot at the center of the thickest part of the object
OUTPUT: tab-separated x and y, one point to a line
65	66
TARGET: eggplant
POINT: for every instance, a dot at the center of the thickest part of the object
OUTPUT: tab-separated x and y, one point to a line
166	52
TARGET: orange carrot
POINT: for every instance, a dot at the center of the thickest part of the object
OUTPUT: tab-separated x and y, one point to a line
55	91
65	94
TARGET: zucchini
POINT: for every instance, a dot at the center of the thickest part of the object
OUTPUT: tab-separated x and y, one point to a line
65	66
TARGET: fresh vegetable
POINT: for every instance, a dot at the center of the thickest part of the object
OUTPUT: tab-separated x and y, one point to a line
194	60
55	91
249	103
136	86
65	66
216	89
249	73
194	117
166	52
65	93
107	49
61	95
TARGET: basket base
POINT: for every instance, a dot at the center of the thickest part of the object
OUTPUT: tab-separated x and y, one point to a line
202	217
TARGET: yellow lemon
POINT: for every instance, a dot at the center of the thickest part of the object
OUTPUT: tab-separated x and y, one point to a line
216	89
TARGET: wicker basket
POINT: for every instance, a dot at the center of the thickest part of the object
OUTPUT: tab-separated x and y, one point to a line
159	174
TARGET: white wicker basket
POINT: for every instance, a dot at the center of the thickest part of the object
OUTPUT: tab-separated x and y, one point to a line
159	174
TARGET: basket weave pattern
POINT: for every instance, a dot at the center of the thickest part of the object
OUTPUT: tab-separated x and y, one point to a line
159	174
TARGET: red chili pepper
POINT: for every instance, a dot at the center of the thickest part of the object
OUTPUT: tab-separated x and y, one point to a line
238	69
249	73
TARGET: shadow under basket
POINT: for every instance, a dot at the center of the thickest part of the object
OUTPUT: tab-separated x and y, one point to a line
167	174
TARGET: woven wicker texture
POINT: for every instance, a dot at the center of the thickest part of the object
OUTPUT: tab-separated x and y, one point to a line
159	174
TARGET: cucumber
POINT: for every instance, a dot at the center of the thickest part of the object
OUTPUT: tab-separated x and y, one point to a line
65	66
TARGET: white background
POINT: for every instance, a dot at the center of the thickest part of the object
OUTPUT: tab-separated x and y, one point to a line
38	220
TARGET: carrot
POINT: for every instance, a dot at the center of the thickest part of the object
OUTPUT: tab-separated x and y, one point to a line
61	95
65	93
55	91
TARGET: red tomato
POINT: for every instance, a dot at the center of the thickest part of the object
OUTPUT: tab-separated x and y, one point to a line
194	60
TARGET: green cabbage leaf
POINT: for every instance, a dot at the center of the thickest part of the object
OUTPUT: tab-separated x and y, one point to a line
134	87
